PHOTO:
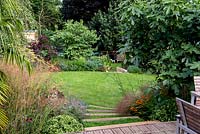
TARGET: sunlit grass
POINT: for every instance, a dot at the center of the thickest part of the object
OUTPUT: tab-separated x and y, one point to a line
100	88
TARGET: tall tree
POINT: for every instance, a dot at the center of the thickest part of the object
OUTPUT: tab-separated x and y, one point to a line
14	18
47	13
82	9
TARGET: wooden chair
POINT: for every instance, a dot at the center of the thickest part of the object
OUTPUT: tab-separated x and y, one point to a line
189	120
195	95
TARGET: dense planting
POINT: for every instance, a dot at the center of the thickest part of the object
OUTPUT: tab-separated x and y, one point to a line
158	37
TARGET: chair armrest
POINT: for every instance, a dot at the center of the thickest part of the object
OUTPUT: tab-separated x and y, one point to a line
194	95
178	116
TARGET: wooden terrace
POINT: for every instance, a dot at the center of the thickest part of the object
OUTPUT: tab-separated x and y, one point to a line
135	128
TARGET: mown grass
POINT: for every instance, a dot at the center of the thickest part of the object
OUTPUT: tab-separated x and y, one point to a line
100	88
121	121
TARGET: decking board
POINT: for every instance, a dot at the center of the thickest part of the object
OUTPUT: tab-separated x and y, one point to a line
153	128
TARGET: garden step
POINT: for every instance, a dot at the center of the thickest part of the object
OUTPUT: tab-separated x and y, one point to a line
101	114
110	119
99	111
101	107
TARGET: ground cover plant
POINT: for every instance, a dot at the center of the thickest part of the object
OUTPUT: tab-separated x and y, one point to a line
98	88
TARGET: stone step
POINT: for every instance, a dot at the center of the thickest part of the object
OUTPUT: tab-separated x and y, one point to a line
109	119
99	111
101	114
100	107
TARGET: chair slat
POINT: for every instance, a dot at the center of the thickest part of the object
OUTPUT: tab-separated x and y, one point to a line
191	113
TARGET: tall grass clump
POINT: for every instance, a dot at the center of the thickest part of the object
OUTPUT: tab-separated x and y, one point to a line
24	108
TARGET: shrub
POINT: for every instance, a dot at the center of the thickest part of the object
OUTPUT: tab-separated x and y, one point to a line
62	124
164	111
76	108
43	48
70	65
24	107
134	69
153	105
73	107
74	41
98	63
163	35
123	106
108	27
93	63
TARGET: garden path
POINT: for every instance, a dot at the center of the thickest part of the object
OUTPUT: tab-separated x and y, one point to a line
152	127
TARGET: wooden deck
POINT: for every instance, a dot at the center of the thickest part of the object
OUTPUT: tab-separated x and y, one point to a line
135	128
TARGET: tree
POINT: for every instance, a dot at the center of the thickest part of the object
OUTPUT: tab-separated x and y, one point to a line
108	27
82	9
14	17
47	13
164	35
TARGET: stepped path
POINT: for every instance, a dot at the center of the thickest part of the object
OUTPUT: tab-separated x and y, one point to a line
105	114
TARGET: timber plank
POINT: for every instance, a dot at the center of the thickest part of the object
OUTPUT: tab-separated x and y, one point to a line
98	132
117	131
152	128
135	130
126	130
143	128
89	132
107	131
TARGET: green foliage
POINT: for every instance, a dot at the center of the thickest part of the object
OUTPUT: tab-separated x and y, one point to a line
43	48
163	36
164	111
76	108
108	27
134	69
62	124
152	104
94	63
47	13
14	16
82	9
75	40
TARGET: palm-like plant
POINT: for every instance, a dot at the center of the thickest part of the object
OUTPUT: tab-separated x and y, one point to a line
14	16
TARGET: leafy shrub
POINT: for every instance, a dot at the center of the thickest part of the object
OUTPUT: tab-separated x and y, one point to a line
73	107
43	48
74	41
153	105
74	65
164	111
108	27
134	69
98	63
62	124
93	63
76	108
163	35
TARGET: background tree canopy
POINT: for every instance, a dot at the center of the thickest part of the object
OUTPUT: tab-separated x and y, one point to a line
163	35
47	13
82	9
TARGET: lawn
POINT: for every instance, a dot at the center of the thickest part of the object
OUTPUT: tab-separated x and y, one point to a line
100	88
121	121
